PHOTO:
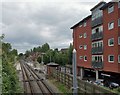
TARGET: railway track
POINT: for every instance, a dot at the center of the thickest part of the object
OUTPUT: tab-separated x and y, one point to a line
33	83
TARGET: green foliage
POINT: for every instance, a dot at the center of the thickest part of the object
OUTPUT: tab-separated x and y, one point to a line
9	76
52	55
45	47
70	54
6	47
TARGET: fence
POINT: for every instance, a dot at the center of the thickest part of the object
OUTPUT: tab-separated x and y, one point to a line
84	87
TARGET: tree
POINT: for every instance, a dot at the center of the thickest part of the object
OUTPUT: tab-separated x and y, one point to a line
14	52
27	53
6	47
9	76
20	55
2	36
45	47
70	54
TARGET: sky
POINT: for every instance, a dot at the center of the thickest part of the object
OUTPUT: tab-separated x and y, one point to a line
31	23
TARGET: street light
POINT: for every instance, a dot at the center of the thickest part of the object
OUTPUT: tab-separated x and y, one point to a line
42	58
75	86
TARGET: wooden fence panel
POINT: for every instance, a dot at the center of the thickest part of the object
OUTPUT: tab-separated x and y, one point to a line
84	87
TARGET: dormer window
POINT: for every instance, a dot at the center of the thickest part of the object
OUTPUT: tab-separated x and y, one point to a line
110	9
85	24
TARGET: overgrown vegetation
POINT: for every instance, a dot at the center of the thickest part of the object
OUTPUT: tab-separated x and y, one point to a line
62	88
10	83
62	57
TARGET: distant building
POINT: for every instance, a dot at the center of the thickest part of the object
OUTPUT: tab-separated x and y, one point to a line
96	39
64	50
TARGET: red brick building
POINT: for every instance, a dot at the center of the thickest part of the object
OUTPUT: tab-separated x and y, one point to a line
96	39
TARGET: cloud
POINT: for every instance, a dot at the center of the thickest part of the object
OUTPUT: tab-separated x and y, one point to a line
30	24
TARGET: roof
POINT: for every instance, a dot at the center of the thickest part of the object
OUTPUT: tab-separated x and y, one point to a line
52	64
102	2
106	5
81	21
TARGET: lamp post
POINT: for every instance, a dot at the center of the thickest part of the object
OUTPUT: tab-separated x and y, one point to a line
75	86
42	58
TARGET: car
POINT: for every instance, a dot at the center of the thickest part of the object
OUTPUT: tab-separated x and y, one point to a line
113	85
99	82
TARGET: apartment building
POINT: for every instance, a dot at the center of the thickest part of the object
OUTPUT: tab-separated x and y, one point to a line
96	39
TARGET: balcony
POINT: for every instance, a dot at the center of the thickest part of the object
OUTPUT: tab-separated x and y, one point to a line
97	21
97	50
97	64
97	36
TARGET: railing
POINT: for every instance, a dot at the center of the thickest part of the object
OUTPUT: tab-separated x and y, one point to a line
97	21
97	64
97	50
97	36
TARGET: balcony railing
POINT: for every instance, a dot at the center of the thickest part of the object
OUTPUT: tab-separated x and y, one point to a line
97	36
97	64
97	21
97	50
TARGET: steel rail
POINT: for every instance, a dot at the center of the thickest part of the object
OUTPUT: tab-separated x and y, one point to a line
41	82
28	79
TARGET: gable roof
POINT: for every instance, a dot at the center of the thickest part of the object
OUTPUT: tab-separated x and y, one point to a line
102	2
81	21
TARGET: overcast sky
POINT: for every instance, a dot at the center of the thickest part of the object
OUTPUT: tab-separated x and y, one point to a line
29	23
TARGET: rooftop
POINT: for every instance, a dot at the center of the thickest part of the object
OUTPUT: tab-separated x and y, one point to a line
81	21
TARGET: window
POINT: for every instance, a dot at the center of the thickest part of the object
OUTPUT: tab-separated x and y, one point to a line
80	36
119	4
97	14
110	9
85	24
111	42
110	25
118	58
80	46
97	30
81	57
80	25
111	58
85	47
119	22
85	58
97	58
118	40
85	35
101	29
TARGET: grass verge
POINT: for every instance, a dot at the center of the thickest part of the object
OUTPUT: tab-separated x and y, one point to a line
61	87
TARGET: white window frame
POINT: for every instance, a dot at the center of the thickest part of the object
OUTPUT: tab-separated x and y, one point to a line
81	57
119	22
111	9
110	25
80	47
109	58
84	58
80	25
109	42
85	47
85	24
80	36
85	35
118	58
118	40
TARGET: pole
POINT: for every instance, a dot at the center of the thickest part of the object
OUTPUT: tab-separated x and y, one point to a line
50	57
75	86
42	59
